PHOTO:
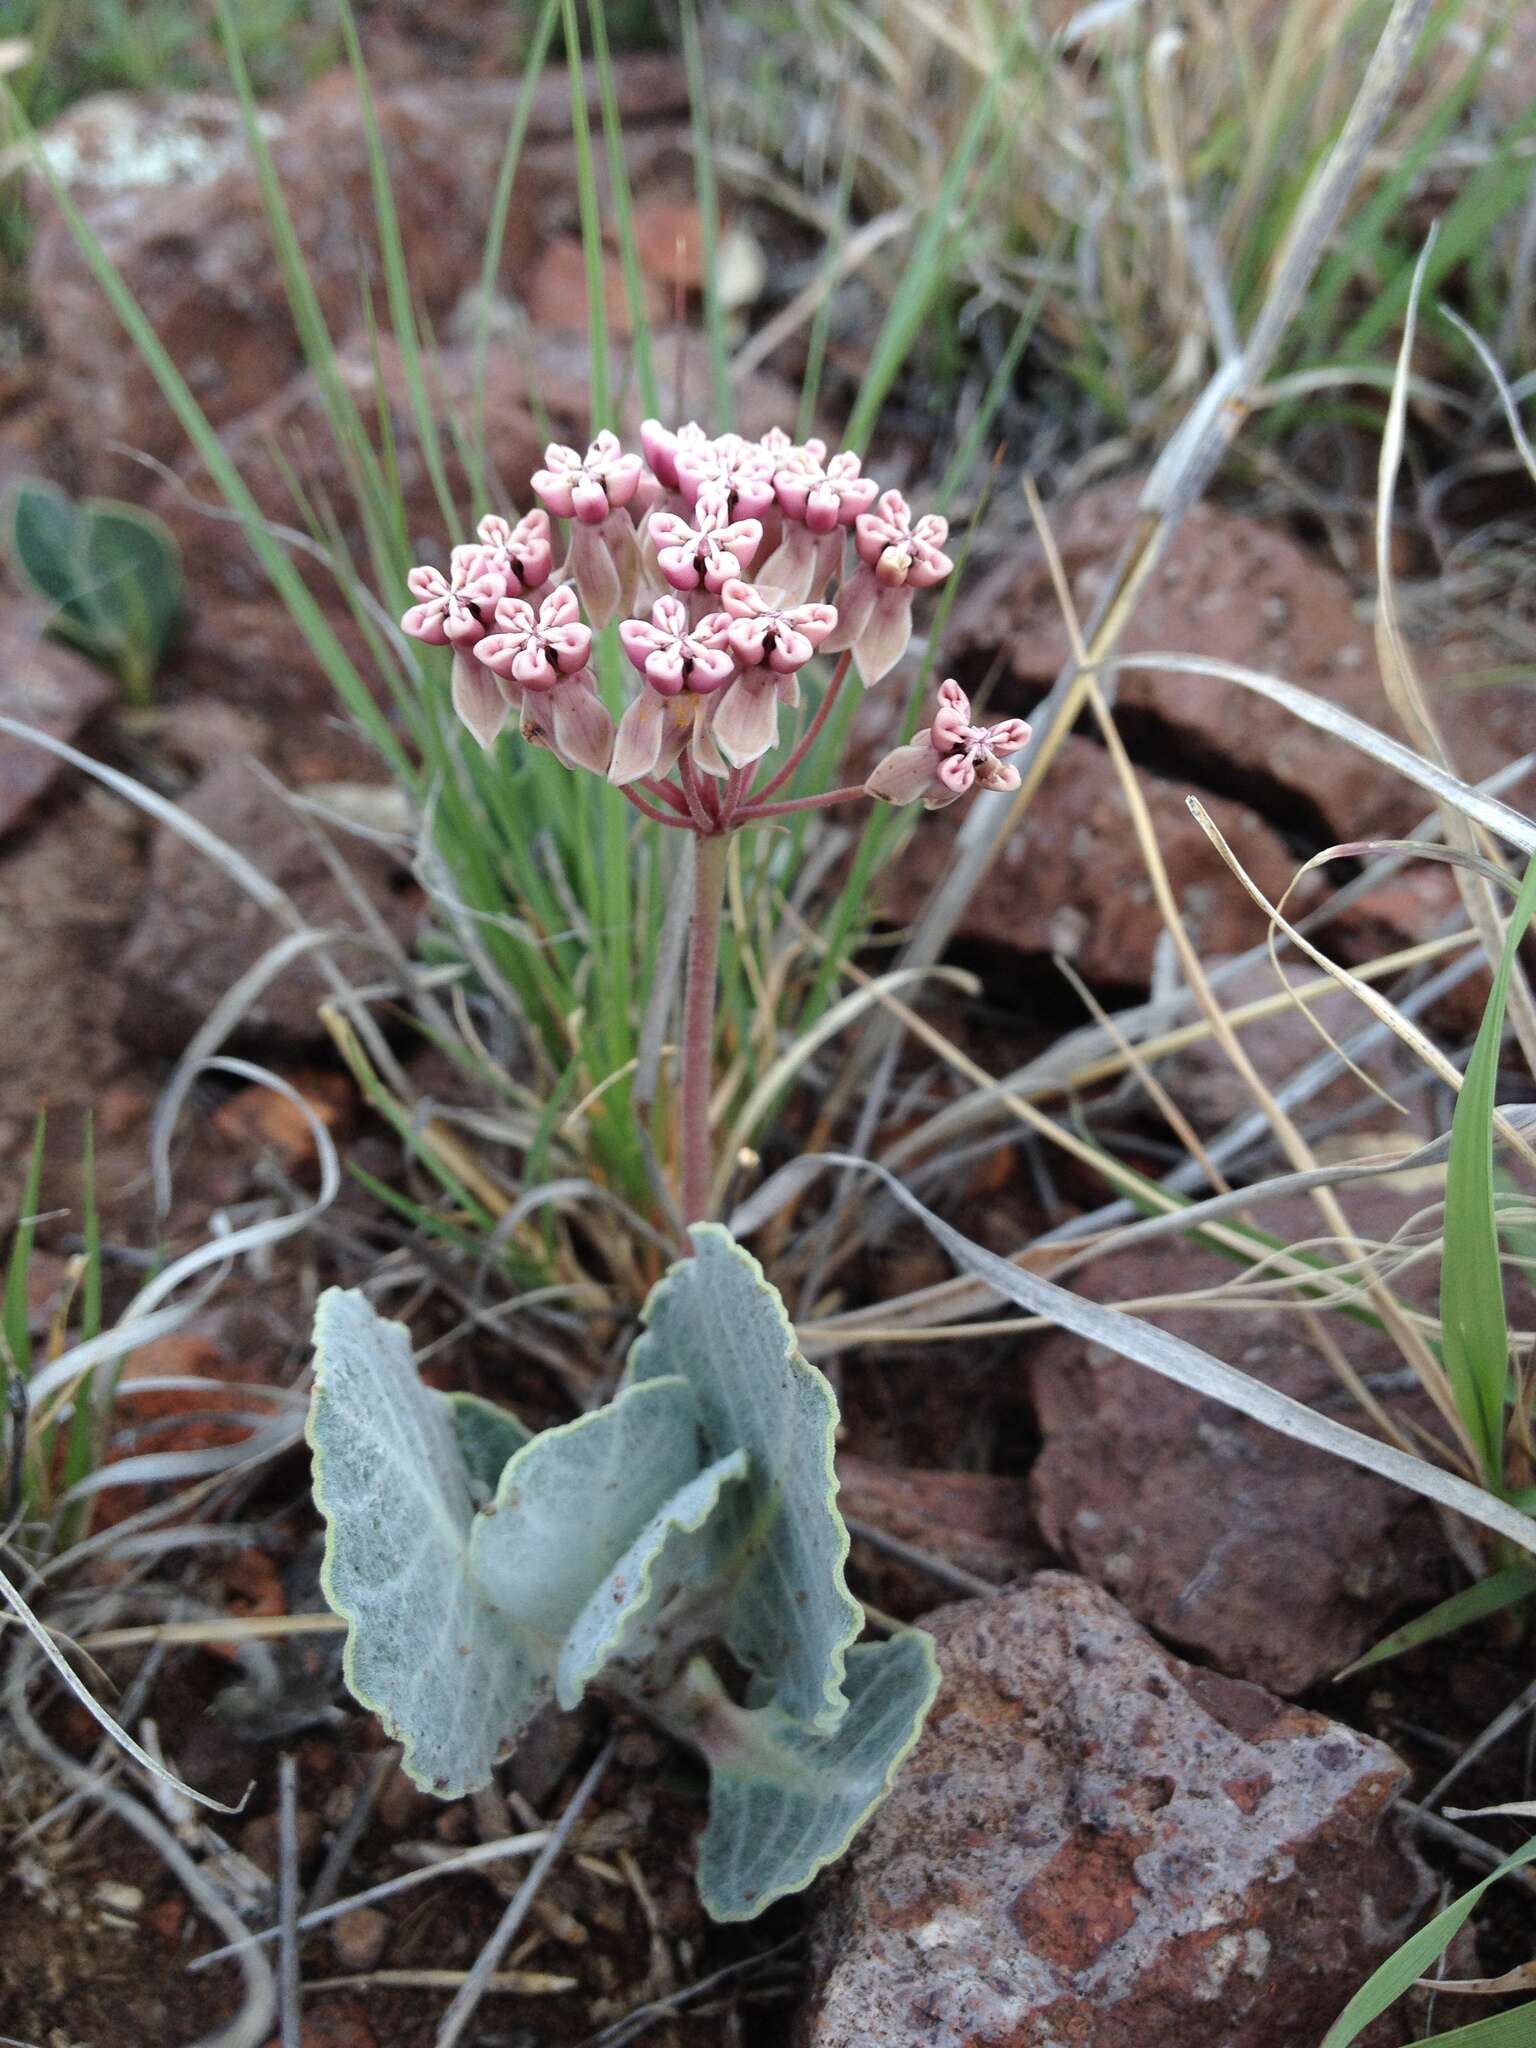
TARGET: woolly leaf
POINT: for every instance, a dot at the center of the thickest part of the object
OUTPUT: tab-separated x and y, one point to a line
715	1320
488	1436
571	1503
453	1681
658	1599
785	1802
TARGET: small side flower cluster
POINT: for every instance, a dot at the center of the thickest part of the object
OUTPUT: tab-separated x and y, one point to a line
728	565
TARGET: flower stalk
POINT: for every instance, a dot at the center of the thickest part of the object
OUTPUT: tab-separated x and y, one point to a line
728	565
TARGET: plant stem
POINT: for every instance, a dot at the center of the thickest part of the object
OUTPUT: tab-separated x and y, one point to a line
750	813
699	1022
808	738
652	811
698	803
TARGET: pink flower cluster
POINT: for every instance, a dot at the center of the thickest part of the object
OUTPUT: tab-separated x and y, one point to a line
717	555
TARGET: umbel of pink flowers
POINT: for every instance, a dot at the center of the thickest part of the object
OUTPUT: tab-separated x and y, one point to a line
728	564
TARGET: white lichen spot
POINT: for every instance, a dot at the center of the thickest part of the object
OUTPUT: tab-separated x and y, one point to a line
116	142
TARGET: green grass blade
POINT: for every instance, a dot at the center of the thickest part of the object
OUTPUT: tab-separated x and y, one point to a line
1499	2030
1501	1589
623	211
709	217
1476	1333
13	1316
496	231
80	1453
397	284
1413	1960
591	223
928	265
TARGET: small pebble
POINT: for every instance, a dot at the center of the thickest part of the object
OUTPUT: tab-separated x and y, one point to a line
118	1898
358	1938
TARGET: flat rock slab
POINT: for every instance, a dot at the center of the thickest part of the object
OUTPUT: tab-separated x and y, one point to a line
1098	1846
1278	1563
199	930
42	684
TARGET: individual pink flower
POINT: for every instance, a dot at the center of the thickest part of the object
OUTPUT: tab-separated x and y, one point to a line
662	447
822	494
951	757
587	488
535	649
454	610
896	559
709	553
739	469
772	644
521	555
763	633
673	656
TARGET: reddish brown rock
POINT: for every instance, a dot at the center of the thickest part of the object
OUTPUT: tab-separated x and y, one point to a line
199	931
557	291
42	684
1097	1846
170	192
980	1521
1070	879
1276	1562
1234	590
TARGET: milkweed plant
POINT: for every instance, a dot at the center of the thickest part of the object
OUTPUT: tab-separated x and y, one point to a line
679	1551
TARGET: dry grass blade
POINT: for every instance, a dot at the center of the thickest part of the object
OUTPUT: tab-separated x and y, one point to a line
476	1984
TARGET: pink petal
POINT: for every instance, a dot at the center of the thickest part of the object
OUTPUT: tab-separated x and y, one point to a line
664	669
746	720
712	667
886	633
590	563
994	774
583	729
904	775
589	501
555	491
425	622
638	741
639	639
1010	737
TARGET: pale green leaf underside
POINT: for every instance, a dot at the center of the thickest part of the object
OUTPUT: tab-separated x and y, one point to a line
488	1436
574	1499
452	1681
715	1319
652	1604
785	1803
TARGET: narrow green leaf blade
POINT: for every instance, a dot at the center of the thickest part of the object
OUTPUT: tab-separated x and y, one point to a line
1415	1958
784	1802
1499	2030
1492	1595
715	1319
1476	1333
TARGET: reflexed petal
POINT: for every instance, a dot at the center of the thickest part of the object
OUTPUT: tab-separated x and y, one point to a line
637	744
787	571
583	729
591	565
746	721
706	755
905	774
886	633
478	699
855	602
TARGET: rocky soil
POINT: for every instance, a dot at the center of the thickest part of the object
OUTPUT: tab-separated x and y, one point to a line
1098	1842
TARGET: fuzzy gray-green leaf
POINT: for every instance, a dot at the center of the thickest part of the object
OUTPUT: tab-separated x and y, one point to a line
653	1605
784	1802
451	1679
571	1502
488	1436
715	1319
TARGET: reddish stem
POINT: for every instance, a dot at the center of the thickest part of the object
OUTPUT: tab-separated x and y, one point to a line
698	1051
704	816
665	790
661	817
750	813
808	738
